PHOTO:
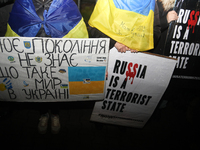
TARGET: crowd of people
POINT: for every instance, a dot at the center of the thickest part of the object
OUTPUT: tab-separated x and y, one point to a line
156	22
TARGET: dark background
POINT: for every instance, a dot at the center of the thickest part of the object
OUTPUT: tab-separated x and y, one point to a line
172	126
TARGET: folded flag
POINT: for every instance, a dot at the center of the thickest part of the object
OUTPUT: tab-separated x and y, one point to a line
62	20
127	22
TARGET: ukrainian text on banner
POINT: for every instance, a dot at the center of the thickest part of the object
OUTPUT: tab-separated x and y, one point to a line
183	42
52	69
135	85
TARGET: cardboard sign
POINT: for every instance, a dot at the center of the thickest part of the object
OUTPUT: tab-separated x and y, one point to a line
135	85
52	69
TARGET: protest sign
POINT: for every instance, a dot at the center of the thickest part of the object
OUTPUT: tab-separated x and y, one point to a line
52	69
183	43
135	85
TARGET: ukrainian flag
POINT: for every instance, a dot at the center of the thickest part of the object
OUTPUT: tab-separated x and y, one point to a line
63	20
86	80
129	22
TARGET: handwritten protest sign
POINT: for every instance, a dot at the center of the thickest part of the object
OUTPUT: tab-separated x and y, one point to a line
135	85
52	69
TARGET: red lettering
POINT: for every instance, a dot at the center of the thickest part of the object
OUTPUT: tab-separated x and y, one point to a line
131	74
191	22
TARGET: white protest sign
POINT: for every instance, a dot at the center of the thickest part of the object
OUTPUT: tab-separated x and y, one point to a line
135	85
52	69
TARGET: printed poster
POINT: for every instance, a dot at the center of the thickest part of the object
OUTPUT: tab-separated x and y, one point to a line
135	85
183	43
52	69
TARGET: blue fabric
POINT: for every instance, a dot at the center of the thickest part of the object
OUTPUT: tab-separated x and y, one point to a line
139	6
62	16
92	73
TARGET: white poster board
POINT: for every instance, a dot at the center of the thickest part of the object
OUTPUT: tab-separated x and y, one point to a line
52	69
135	85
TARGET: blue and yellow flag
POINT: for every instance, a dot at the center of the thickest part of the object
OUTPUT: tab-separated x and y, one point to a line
62	20
129	22
86	80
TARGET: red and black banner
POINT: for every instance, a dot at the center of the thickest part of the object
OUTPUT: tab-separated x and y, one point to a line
183	43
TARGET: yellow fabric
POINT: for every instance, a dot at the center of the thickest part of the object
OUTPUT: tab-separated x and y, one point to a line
79	31
93	87
127	27
10	32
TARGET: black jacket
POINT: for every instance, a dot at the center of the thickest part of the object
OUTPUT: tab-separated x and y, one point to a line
4	16
5	2
159	48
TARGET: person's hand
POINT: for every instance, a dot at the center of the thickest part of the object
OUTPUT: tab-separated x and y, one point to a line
133	51
123	48
171	16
